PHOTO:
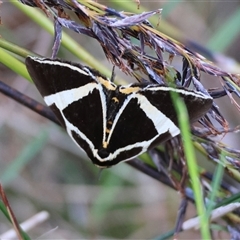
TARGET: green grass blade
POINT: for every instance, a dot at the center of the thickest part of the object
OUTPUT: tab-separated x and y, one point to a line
4	210
191	163
13	48
14	64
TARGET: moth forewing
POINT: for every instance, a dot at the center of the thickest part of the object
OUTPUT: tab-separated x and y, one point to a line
161	123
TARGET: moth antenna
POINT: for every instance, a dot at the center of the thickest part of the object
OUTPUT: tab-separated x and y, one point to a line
113	74
100	173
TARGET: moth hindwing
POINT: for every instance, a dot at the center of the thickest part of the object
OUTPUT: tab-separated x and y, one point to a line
111	123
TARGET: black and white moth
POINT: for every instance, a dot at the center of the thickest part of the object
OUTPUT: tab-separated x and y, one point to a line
111	123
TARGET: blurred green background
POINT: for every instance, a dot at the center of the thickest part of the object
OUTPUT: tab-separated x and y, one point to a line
41	168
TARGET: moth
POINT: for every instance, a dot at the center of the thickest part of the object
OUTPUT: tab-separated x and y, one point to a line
111	123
